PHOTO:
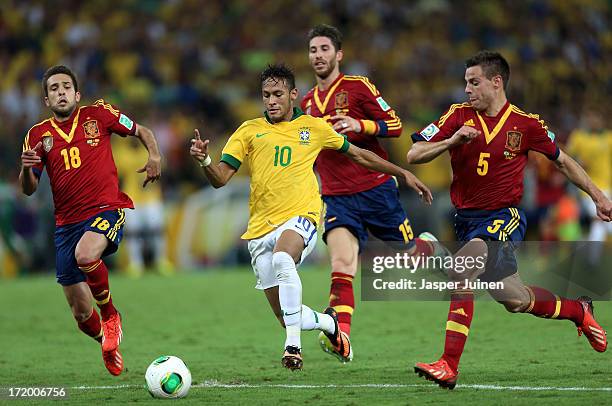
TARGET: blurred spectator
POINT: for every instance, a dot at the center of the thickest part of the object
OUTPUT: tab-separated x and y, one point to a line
591	145
188	63
146	234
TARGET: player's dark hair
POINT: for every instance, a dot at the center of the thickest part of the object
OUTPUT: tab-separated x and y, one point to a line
279	72
331	32
54	70
492	64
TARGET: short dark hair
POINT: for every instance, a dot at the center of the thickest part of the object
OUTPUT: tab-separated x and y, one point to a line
54	70
279	72
492	63
331	32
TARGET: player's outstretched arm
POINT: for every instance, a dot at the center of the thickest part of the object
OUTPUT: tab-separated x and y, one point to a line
370	160
423	152
27	178
577	175
218	175
153	165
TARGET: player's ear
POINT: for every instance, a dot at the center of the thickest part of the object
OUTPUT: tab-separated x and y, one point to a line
77	96
498	81
46	99
339	55
293	94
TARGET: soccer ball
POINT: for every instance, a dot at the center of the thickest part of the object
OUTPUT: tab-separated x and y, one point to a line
168	377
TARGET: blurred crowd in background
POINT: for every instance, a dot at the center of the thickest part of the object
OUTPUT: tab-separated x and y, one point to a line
177	65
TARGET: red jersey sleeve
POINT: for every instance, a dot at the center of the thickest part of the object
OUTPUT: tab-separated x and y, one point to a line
114	120
442	128
541	139
383	122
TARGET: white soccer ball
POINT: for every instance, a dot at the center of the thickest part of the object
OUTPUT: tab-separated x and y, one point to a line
168	377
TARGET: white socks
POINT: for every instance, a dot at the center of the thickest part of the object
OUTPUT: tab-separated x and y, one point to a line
289	295
296	316
312	320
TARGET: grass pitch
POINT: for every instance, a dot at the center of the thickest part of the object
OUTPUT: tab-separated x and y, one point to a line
225	332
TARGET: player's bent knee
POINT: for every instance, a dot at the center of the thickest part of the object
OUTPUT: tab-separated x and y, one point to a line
515	305
81	315
83	256
283	265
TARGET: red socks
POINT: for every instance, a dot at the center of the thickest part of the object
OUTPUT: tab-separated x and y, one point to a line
97	279
458	326
342	299
92	326
547	305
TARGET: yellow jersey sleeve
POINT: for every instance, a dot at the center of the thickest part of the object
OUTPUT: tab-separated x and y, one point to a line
236	149
334	140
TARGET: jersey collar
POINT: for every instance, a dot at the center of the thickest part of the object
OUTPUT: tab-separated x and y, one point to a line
296	113
75	121
489	135
323	105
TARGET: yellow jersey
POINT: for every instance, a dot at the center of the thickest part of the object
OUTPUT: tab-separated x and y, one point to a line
281	158
594	152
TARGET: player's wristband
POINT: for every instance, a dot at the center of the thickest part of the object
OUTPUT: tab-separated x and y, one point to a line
368	127
206	162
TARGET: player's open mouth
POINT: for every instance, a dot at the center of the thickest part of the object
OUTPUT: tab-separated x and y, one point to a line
320	64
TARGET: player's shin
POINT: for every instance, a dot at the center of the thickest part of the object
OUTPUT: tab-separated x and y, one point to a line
97	280
92	326
458	324
289	295
312	320
546	304
342	299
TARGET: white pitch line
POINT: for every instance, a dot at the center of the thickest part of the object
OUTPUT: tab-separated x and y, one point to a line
215	384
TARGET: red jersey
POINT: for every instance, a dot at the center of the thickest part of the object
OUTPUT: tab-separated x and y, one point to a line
79	160
488	172
356	97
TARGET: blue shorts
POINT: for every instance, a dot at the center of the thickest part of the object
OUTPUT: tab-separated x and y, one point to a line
108	223
377	210
503	228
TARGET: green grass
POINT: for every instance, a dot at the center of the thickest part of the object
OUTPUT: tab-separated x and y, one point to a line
224	330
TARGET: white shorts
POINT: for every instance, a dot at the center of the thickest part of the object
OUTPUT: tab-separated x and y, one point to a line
261	249
147	217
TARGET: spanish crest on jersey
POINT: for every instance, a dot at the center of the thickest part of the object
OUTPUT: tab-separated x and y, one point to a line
513	141
47	141
341	100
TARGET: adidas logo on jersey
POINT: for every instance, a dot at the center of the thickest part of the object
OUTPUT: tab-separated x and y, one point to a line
470	122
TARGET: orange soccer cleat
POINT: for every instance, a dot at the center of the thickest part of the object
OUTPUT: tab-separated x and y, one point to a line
113	361
590	328
112	333
337	344
439	372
